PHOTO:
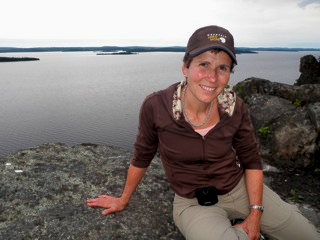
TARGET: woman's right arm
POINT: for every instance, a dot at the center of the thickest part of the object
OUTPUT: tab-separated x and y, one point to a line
145	146
114	204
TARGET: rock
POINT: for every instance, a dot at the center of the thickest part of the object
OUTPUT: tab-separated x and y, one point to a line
314	113
44	190
264	109
287	128
310	71
291	140
308	93
294	139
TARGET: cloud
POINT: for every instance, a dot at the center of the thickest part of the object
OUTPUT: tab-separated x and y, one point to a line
125	22
304	3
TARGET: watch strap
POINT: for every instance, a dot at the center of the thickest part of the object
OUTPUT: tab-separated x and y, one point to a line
261	208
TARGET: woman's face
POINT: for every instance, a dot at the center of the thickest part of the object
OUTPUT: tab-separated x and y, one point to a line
207	76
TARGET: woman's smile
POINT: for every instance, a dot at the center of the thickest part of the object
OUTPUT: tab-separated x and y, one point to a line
208	89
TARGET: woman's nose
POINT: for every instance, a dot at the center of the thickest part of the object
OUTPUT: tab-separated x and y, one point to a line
212	75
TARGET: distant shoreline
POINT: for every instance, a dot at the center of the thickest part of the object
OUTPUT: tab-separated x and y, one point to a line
140	49
17	59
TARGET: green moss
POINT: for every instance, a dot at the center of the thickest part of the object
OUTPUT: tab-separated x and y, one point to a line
264	131
295	197
298	102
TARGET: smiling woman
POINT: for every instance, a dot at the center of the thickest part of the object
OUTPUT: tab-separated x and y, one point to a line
207	76
206	142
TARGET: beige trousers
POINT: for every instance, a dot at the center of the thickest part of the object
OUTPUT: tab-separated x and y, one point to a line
280	220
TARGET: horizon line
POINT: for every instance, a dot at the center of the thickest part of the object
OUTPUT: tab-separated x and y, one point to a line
150	46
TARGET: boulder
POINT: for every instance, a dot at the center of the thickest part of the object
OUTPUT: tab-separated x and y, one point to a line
287	127
310	71
308	93
314	112
44	190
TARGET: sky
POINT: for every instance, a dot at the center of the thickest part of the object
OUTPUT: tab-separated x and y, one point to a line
253	23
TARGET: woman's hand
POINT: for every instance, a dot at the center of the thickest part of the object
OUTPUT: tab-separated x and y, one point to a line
251	225
112	204
254	184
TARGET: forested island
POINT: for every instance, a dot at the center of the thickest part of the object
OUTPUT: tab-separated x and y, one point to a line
17	59
116	53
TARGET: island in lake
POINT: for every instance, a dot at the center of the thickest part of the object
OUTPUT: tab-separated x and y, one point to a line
140	49
107	49
117	53
17	59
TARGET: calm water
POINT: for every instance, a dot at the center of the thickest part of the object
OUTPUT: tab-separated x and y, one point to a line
84	98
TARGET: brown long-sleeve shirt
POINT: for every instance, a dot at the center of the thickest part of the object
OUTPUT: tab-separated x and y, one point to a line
191	161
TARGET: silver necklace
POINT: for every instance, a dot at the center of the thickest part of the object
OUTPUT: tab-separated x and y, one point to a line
186	115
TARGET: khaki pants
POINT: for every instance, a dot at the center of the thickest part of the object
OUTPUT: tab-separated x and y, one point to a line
280	220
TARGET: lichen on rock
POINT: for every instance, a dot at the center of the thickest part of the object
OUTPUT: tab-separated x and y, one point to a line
47	200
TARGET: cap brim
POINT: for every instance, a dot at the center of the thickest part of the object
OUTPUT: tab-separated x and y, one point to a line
205	48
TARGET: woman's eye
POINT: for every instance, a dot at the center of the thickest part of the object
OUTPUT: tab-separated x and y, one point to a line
223	68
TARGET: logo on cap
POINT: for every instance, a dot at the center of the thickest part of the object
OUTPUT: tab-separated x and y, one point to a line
217	37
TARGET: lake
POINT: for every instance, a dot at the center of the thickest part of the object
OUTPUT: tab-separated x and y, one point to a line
80	97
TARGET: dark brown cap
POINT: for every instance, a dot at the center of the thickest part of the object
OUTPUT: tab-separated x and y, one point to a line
211	37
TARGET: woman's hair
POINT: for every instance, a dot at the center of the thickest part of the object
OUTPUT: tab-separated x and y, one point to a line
187	59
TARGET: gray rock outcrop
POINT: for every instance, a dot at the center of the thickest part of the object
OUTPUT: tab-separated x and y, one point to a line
308	93
310	71
44	190
286	120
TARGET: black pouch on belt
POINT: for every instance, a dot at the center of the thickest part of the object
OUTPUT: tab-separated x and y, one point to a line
207	196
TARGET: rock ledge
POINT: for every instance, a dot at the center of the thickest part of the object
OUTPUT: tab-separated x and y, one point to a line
44	190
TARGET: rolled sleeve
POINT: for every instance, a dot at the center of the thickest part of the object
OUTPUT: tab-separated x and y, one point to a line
245	144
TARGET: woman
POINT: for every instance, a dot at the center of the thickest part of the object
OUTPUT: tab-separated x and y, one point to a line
207	145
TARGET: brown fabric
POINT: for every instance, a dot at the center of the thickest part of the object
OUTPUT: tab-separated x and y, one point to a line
190	160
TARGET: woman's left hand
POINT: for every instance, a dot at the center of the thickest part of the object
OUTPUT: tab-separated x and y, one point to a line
251	225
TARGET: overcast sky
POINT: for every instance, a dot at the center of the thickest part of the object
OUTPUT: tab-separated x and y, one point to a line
254	23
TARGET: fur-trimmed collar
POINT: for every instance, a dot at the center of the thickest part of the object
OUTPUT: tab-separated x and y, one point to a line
226	100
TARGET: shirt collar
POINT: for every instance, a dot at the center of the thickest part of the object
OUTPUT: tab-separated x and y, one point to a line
226	101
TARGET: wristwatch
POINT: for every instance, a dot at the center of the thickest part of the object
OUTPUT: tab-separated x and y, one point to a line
261	208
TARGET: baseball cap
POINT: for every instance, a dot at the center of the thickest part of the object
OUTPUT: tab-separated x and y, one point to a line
211	37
